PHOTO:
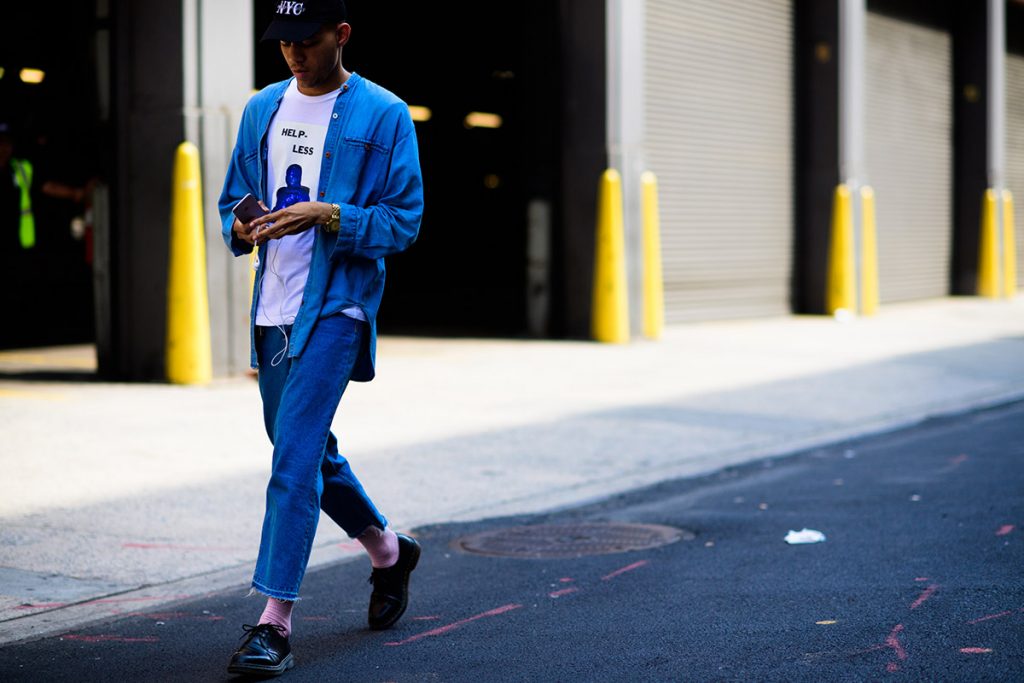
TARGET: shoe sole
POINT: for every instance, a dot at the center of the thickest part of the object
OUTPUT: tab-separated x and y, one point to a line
264	671
405	603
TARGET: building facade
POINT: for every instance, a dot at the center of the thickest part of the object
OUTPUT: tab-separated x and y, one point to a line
750	113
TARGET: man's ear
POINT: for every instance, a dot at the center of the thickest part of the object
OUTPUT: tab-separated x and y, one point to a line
344	31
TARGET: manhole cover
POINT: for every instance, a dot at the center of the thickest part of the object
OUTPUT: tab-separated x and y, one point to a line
544	541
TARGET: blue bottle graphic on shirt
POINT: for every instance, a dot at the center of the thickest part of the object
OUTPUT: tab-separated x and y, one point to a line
293	192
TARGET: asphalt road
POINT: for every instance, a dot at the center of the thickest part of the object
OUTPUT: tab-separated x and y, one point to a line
920	578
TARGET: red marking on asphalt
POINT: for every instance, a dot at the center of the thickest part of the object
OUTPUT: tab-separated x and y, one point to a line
893	641
564	591
975	650
174	546
1004	529
566	580
990	616
954	463
350	545
627	568
109	639
922	578
427	618
880	646
925	594
451	627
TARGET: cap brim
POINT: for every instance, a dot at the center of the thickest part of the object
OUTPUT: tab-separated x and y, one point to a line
291	31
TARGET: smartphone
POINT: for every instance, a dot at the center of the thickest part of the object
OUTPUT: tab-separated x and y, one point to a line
248	209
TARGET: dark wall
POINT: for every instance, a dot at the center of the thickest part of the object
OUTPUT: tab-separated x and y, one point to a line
541	66
970	139
1015	27
816	132
583	120
148	111
934	13
466	274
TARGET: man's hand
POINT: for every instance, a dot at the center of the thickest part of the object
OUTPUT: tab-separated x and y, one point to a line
247	231
290	220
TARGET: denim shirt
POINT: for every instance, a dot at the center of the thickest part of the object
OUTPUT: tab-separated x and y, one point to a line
371	170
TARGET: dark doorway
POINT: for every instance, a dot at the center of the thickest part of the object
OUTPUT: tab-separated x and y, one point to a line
466	275
55	124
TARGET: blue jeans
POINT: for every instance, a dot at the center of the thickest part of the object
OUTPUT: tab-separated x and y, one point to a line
300	397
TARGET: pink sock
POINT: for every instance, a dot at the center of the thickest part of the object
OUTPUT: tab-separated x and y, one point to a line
279	613
381	546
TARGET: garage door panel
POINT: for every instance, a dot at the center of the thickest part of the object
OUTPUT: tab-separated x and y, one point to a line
719	137
1015	150
908	123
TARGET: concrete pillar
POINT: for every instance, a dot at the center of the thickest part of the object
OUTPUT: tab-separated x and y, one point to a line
996	49
851	92
626	133
181	71
218	57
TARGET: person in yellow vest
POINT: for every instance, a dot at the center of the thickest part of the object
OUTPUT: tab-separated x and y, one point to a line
17	184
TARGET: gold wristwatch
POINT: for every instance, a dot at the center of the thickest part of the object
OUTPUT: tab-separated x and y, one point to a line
333	223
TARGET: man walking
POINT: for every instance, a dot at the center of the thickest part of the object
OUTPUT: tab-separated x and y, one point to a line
336	156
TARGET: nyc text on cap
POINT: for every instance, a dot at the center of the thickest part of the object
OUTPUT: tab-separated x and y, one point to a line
295	21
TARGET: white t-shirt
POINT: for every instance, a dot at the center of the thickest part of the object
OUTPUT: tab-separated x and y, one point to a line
296	148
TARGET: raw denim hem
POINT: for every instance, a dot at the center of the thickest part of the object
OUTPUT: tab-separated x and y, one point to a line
270	593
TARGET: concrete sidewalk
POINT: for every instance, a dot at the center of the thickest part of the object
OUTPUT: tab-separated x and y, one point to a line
122	497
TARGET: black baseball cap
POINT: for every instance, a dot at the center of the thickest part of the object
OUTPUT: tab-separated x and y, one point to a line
297	20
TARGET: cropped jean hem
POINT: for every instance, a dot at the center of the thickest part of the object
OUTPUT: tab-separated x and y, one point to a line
271	593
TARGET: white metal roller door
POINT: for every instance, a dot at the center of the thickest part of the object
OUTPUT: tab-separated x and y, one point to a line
909	155
719	137
1015	150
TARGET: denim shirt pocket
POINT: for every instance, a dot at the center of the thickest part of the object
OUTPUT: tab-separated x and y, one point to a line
371	157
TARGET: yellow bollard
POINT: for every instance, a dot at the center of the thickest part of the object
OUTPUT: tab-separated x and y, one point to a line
842	281
189	357
868	253
1009	248
610	312
988	256
654	285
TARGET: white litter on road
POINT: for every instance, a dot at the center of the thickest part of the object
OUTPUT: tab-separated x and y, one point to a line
804	536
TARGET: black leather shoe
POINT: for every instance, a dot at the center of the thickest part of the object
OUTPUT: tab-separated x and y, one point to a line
390	594
265	652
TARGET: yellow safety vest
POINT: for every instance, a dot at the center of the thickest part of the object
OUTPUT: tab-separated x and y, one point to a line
27	225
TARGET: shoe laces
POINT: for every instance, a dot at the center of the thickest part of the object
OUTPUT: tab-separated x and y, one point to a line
249	628
382	576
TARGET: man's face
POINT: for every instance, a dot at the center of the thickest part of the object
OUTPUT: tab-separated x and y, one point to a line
315	59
